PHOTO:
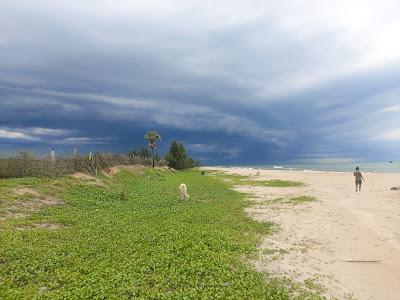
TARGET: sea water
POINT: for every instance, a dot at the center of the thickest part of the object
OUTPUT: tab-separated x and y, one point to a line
374	167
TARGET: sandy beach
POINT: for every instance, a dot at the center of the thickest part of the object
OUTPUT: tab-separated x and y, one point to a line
346	243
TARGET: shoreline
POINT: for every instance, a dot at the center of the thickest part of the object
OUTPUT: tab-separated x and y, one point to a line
297	170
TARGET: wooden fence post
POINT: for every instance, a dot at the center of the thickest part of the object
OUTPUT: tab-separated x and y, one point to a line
53	155
75	157
75	153
93	162
53	161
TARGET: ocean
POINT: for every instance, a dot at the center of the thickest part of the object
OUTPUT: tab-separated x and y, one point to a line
374	167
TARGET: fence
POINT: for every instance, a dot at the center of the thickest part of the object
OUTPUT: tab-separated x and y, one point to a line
60	166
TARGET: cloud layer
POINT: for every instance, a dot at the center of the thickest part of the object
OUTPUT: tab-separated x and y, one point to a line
238	81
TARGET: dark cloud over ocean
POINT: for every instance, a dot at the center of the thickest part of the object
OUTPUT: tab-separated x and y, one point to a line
241	82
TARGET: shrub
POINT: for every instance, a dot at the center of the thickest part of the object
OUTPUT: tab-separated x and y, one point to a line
144	153
178	159
133	153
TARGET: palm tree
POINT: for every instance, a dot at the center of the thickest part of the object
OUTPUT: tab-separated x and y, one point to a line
152	137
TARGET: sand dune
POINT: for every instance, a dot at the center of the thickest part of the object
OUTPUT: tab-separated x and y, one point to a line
347	242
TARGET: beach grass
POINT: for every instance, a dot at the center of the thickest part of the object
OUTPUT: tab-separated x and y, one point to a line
253	181
281	183
301	199
133	238
293	200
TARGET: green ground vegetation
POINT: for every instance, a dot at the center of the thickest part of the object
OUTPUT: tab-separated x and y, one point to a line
132	238
254	181
301	199
293	200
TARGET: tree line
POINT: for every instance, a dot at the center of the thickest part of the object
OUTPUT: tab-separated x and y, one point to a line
176	157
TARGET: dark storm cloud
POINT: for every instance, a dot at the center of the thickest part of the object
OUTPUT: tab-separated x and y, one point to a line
236	82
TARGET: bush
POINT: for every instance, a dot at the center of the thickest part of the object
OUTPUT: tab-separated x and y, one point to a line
144	153
133	153
178	159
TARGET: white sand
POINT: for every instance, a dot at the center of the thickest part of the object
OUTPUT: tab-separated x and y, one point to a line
321	238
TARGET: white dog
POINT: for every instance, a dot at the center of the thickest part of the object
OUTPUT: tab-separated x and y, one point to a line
184	194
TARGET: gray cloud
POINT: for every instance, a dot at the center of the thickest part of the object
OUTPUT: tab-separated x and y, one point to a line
270	80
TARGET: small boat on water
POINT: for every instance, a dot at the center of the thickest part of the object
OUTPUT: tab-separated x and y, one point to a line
390	162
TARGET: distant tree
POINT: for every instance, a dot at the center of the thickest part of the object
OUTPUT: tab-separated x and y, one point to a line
191	163
24	154
152	137
157	157
144	153
133	153
177	157
174	155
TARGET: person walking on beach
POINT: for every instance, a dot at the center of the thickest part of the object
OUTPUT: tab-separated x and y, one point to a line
359	179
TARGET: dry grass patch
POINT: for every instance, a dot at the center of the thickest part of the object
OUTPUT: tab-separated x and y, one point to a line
28	200
48	226
34	199
136	169
88	179
26	191
10	214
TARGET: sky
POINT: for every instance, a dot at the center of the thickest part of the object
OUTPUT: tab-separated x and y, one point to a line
237	82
